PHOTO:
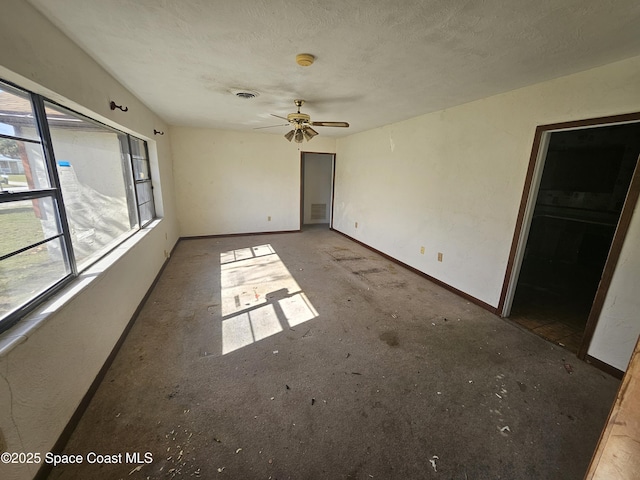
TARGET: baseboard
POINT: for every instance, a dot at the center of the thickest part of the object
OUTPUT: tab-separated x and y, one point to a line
605	367
440	283
45	469
248	234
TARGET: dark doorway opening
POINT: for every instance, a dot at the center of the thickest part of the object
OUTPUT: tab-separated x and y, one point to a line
584	184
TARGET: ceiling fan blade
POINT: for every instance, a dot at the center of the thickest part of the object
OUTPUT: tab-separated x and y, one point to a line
278	116
330	124
272	126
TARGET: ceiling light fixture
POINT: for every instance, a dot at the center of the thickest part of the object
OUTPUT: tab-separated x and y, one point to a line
299	134
305	59
301	125
309	133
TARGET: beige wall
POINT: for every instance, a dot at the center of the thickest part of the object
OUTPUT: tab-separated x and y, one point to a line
451	181
232	182
49	360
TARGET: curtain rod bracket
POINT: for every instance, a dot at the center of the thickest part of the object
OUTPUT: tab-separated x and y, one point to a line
119	107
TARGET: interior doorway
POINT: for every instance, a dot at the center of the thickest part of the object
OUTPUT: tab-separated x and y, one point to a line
316	189
579	193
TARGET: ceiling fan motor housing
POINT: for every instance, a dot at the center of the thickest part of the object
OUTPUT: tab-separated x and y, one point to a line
298	119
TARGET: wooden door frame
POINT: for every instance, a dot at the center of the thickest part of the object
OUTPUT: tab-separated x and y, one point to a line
333	184
619	236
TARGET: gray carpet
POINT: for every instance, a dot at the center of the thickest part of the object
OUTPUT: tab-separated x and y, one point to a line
312	357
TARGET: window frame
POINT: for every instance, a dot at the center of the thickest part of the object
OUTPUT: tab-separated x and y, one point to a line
137	182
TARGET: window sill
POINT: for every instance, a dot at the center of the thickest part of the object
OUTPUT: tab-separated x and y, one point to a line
27	325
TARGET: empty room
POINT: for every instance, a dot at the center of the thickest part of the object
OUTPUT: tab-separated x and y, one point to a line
319	240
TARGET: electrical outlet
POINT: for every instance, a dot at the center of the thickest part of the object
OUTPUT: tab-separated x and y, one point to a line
439	256
421	250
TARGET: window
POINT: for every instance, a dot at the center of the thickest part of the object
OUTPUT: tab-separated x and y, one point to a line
91	170
71	189
142	177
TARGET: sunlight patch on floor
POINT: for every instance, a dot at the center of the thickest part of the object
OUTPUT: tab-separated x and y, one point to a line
259	297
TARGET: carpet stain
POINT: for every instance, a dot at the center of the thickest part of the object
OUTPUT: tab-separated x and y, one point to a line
390	338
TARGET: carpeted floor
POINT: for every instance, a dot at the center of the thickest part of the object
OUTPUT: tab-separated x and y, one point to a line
307	356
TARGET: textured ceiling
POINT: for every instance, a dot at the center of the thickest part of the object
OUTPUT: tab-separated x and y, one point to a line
378	61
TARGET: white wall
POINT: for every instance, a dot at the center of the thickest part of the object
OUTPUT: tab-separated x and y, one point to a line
231	182
452	180
49	360
318	176
619	324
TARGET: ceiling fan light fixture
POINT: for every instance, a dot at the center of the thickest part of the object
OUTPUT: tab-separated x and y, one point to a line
301	124
309	133
305	59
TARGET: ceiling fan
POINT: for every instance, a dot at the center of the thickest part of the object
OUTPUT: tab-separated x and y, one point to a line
301	124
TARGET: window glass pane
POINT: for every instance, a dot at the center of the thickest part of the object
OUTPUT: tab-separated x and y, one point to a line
26	222
16	114
93	180
145	201
30	273
146	213
139	158
22	166
144	192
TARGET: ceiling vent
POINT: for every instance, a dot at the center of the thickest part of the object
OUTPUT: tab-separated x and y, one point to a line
245	94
